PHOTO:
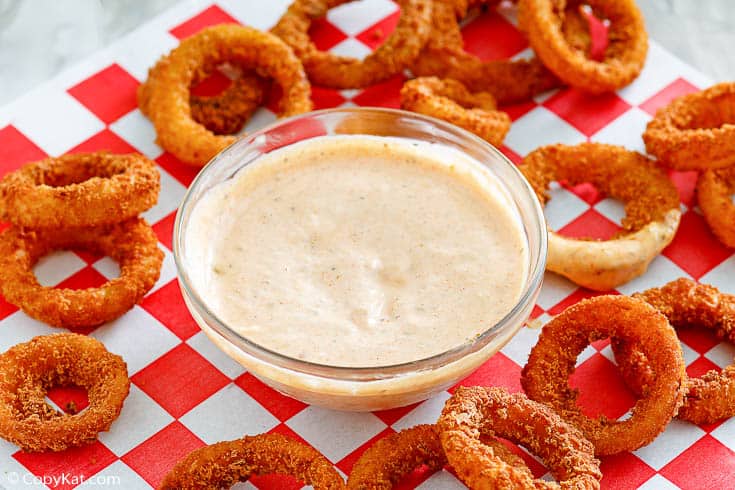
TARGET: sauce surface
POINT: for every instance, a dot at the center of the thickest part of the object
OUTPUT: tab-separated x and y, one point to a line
358	251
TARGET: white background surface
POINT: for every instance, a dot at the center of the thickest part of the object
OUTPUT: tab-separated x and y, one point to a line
38	38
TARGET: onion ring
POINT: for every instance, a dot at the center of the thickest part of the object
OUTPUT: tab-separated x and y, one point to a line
553	359
714	193
470	411
224	464
165	100
82	189
651	211
333	71
695	131
227	112
542	20
451	101
685	303
132	244
29	370
444	56
389	460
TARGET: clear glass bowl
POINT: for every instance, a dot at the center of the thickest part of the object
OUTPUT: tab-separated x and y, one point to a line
365	388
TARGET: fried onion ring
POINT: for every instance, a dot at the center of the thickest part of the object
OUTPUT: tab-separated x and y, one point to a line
470	411
543	20
451	101
81	189
224	464
651	211
685	303
695	131
714	193
165	98
227	112
132	244
389	460
330	70
546	376
444	56
29	370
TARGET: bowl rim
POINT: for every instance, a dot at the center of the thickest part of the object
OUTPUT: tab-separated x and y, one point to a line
364	373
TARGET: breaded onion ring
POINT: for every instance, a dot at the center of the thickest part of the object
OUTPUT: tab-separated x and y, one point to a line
224	113
444	56
132	244
330	70
685	303
227	112
389	460
451	101
651	211
470	411
81	189
546	376
695	131
165	98
714	193
29	370
543	20
224	464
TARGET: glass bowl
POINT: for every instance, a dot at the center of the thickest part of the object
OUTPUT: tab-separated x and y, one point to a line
365	388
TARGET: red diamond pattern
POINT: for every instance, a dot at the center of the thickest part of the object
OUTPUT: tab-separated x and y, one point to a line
167	306
165	230
325	35
385	94
624	471
588	113
180	380
180	171
676	89
16	149
70	399
706	465
80	462
491	37
591	224
374	36
281	406
498	371
155	457
613	401
208	17
694	248
109	94
105	140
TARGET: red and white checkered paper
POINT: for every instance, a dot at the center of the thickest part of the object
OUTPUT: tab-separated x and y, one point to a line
185	393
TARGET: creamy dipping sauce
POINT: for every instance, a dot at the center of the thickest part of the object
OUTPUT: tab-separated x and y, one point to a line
358	250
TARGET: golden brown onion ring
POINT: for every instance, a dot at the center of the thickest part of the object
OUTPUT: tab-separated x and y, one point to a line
29	370
553	359
695	131
388	461
224	464
542	21
83	189
444	56
714	193
450	101
329	70
165	98
685	303
651	210
132	244
564	450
